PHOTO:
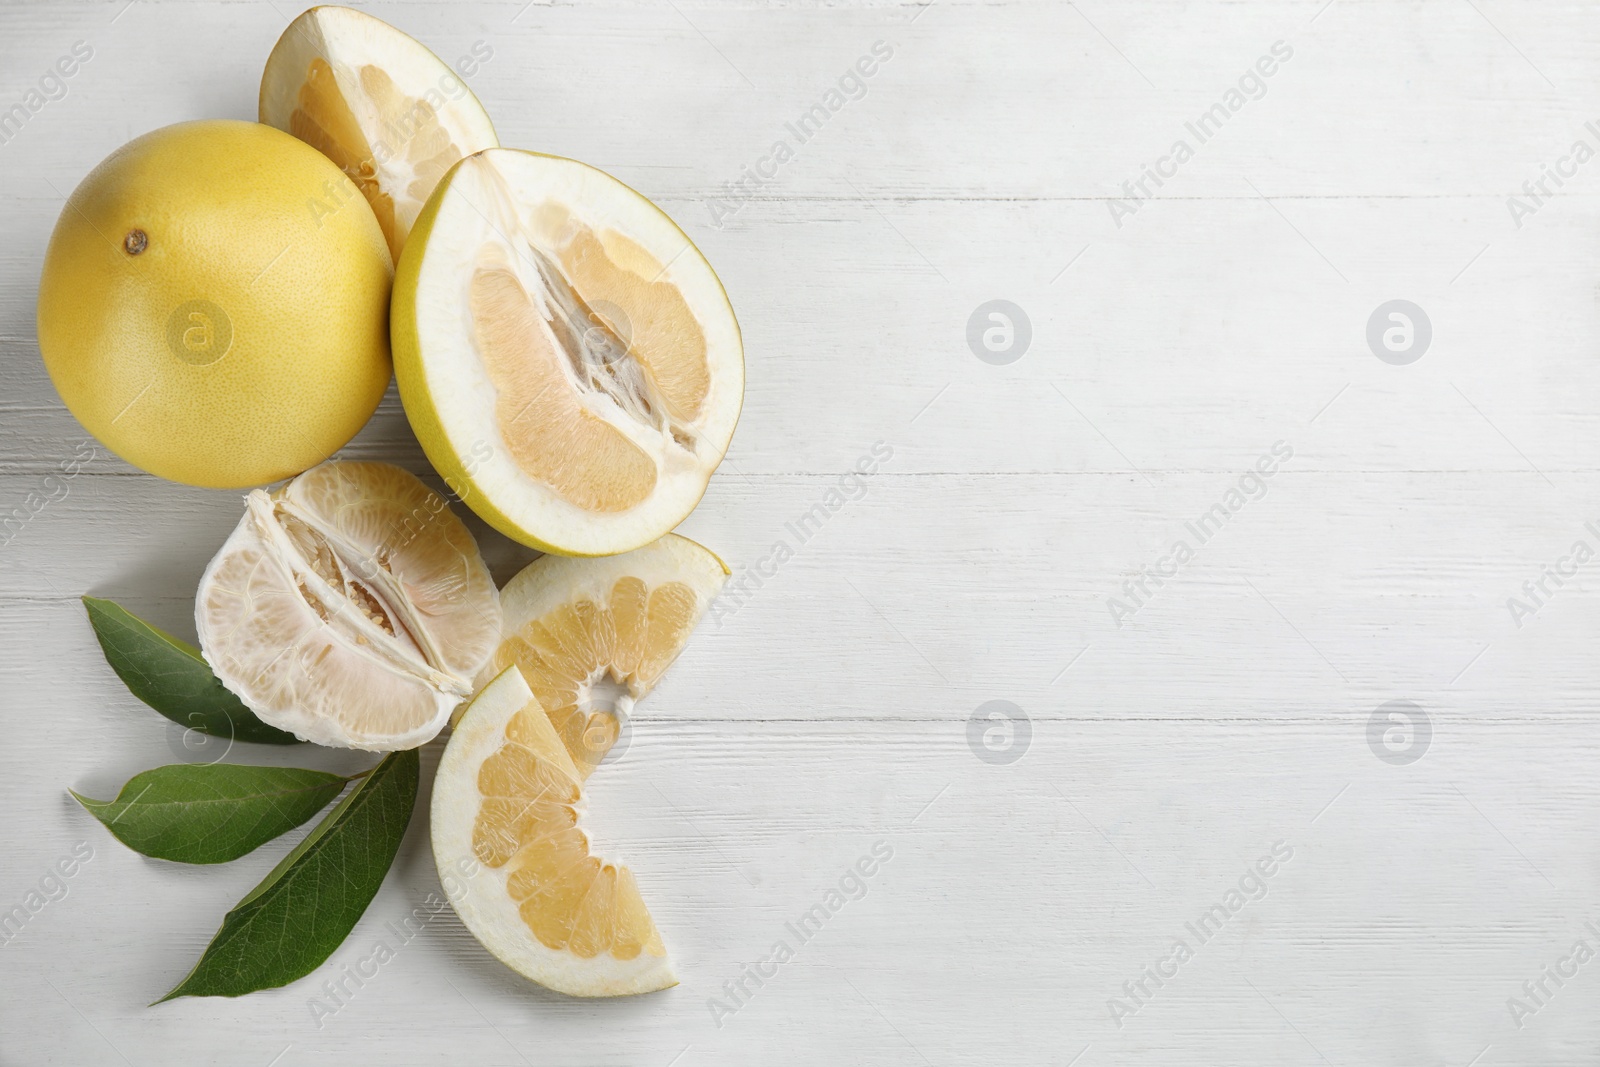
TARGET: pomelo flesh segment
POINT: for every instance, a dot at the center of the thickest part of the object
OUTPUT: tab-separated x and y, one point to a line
350	607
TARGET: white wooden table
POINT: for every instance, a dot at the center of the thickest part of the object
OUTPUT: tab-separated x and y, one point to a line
1437	865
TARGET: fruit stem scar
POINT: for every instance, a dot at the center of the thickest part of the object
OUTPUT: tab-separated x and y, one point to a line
136	241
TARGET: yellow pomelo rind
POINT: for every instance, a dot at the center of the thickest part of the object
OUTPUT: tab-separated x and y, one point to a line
246	339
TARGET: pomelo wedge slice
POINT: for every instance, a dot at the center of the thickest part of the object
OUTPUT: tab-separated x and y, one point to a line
593	636
566	356
507	807
350	607
377	103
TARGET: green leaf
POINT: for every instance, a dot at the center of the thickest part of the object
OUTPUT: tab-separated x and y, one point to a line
169	675
212	813
286	926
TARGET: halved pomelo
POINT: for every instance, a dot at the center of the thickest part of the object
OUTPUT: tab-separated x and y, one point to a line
566	356
349	607
593	636
507	807
377	103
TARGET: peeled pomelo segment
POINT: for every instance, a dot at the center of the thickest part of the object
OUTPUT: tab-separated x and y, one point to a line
592	637
376	102
507	804
568	359
350	607
404	540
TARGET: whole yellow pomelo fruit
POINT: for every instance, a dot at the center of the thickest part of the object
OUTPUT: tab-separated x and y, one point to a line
214	304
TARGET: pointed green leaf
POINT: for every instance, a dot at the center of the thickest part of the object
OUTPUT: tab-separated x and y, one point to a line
286	926
212	813
169	675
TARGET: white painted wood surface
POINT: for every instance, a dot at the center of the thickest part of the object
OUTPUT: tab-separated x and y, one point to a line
831	711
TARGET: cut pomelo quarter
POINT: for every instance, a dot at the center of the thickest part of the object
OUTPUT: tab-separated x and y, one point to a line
593	636
566	356
377	103
350	607
507	806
